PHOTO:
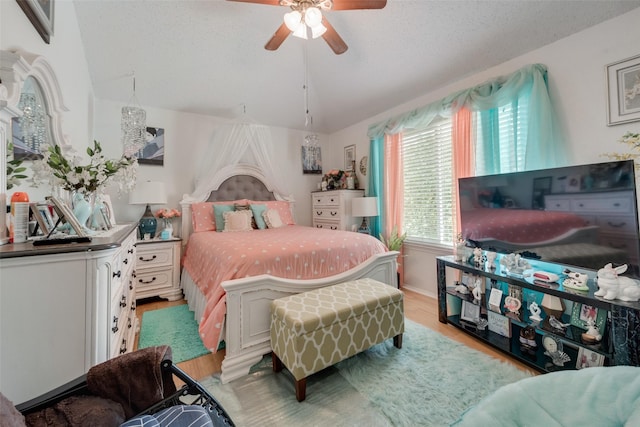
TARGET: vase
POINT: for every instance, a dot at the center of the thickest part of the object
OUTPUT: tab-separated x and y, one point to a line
167	232
83	204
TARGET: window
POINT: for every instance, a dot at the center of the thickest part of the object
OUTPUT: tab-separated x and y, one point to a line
500	146
428	183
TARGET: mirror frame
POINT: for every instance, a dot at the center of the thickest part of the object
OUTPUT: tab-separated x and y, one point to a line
15	67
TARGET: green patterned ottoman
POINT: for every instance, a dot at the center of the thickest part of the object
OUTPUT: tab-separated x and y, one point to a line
316	329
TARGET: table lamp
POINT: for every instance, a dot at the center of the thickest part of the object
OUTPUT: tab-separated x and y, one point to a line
148	193
364	207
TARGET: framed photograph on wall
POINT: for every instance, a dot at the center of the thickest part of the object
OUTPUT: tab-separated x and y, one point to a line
40	13
311	160
349	157
153	151
623	86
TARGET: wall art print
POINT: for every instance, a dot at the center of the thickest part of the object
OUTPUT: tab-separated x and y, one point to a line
623	85
153	151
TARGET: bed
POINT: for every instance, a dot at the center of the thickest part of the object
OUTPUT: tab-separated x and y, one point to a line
231	292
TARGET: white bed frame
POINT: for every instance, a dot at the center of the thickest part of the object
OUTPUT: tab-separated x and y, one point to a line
249	299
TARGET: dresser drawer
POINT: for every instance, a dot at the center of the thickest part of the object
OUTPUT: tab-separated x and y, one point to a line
617	224
329	225
326	213
557	204
615	204
157	279
153	257
332	200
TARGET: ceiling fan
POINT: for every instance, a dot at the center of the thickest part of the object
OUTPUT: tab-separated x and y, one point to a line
306	18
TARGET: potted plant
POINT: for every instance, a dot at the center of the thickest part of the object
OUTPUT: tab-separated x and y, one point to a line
394	242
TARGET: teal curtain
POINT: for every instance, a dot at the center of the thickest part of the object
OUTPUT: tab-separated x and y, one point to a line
490	141
544	147
376	182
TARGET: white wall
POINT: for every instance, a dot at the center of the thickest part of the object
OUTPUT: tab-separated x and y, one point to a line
577	85
66	55
186	137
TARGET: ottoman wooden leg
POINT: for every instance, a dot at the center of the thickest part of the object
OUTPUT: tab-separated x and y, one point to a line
276	362
301	389
397	341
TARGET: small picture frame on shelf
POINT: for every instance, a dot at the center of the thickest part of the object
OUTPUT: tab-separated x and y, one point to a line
470	312
581	313
499	324
43	217
495	300
589	358
67	216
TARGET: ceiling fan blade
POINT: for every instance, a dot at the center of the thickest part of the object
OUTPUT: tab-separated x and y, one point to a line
333	39
358	4
278	37
267	2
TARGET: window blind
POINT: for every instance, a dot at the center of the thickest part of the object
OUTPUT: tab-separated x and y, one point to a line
428	189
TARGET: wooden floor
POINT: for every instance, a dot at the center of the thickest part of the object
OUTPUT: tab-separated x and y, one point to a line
419	308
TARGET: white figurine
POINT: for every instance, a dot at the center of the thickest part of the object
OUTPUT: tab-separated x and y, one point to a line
461	289
575	280
593	333
553	349
491	259
612	286
477	257
535	311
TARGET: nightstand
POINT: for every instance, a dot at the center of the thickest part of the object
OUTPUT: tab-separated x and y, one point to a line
157	269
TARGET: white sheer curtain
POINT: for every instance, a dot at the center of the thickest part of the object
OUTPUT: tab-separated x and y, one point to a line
239	143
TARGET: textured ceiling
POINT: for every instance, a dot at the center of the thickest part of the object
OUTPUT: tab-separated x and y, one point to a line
208	56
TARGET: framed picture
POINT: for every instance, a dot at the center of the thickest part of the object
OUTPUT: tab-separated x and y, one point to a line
470	312
67	216
623	86
43	217
499	324
40	13
581	313
573	183
107	206
588	358
349	157
311	160
495	300
152	153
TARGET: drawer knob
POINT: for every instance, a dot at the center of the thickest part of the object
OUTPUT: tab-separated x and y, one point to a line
130	251
147	259
319	213
334	213
118	274
133	306
146	282
123	301
114	329
126	260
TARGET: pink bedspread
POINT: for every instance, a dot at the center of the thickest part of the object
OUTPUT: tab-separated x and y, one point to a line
518	225
292	252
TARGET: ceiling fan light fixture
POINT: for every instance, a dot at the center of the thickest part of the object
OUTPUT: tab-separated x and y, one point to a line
312	17
301	32
318	31
293	20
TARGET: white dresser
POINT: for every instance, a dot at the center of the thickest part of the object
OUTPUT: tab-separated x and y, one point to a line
158	269
63	309
612	212
332	209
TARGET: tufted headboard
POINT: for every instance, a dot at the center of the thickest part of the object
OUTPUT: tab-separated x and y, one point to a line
241	187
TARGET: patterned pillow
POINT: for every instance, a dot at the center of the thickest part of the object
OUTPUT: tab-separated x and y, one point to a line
283	208
238	207
272	218
218	212
202	214
258	210
237	221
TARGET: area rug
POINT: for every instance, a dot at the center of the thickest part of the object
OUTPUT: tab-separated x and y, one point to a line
174	326
431	381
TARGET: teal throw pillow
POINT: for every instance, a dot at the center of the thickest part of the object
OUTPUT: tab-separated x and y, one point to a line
257	214
218	211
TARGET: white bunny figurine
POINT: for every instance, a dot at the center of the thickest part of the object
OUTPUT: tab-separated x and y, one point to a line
612	286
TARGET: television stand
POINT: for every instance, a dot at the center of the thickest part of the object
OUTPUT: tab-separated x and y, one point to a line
548	344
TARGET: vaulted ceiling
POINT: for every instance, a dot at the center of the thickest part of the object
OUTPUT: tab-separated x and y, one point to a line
208	56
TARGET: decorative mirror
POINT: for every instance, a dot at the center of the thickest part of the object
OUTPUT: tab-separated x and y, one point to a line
30	107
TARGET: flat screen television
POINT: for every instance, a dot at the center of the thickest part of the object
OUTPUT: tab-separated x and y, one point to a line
582	216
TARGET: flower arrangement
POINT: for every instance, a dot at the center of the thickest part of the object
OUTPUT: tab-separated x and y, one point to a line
168	213
395	241
335	179
15	170
633	140
54	168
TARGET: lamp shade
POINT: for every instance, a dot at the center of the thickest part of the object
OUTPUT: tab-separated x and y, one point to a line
148	193
364	206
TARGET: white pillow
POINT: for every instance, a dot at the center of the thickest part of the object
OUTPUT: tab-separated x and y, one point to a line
272	218
237	221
